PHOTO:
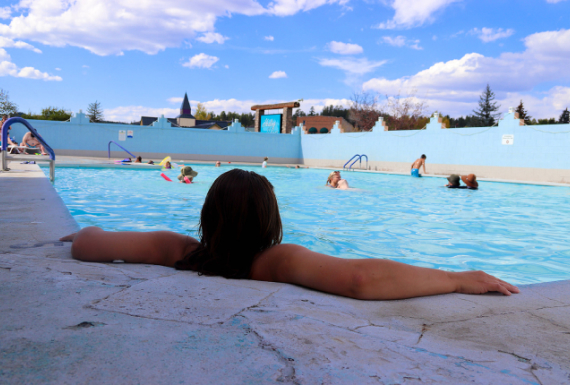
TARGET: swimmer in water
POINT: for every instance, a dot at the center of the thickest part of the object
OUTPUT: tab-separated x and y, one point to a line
218	163
335	181
167	165
240	234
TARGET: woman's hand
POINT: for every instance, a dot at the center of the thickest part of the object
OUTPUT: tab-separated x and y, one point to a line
479	282
68	238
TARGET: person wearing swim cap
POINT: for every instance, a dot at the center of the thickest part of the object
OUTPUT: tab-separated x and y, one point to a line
187	175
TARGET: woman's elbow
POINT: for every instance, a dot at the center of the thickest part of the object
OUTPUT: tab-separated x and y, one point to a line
360	283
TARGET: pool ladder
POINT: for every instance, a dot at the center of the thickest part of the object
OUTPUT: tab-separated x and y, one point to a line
38	158
356	159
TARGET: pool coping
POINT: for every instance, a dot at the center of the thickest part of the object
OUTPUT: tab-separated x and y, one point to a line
62	320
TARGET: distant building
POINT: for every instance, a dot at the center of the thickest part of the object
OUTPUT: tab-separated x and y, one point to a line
323	124
187	120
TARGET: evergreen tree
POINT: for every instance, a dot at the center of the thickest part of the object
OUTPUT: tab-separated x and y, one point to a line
298	113
486	114
223	116
564	117
6	106
95	112
312	111
523	114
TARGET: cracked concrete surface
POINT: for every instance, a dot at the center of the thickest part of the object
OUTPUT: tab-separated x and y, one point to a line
64	321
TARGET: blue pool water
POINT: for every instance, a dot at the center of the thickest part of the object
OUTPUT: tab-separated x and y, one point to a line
516	232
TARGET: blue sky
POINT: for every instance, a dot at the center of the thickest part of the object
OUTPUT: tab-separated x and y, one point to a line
139	57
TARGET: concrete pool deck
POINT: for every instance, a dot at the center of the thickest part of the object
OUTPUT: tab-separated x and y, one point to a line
64	321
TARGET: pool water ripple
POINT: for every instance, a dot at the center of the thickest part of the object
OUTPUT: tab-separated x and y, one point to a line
517	232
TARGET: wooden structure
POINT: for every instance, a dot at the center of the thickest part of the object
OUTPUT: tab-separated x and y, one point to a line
286	116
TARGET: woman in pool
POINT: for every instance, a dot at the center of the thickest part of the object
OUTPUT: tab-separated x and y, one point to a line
240	237
335	181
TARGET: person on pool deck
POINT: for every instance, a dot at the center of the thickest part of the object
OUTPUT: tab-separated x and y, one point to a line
13	149
138	159
264	164
421	161
29	140
188	173
240	233
335	181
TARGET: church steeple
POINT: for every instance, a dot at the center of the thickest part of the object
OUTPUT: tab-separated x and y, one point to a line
185	108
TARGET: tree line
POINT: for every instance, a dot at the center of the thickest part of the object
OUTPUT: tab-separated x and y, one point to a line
408	113
400	113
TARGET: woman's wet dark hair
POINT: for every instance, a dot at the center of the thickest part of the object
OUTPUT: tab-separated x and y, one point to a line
239	219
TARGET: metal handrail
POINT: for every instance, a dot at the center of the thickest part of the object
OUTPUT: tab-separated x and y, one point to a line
109	149
358	158
350	160
4	147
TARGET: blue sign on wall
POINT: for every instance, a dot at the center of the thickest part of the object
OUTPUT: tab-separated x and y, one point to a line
271	124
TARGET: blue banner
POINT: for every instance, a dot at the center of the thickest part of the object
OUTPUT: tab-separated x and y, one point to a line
271	124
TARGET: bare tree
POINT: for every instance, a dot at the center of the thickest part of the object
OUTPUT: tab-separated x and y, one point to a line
95	112
6	106
363	112
404	113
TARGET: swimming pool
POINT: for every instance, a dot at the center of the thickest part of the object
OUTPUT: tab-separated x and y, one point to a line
516	232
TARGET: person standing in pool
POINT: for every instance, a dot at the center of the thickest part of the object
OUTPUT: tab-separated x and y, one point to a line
240	234
421	161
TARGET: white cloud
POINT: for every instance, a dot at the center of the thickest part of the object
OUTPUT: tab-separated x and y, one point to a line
278	75
412	13
201	61
132	113
359	66
554	1
7	68
4	56
9	43
269	38
226	66
84	66
58	69
212	37
109	27
5	12
344	48
291	7
459	82
401	41
175	100
489	34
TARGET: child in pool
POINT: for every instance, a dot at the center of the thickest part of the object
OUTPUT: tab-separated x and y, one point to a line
167	165
240	237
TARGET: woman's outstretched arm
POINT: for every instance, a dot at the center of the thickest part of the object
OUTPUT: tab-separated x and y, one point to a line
92	244
370	279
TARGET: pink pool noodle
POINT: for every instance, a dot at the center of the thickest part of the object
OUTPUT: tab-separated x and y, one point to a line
187	180
165	177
